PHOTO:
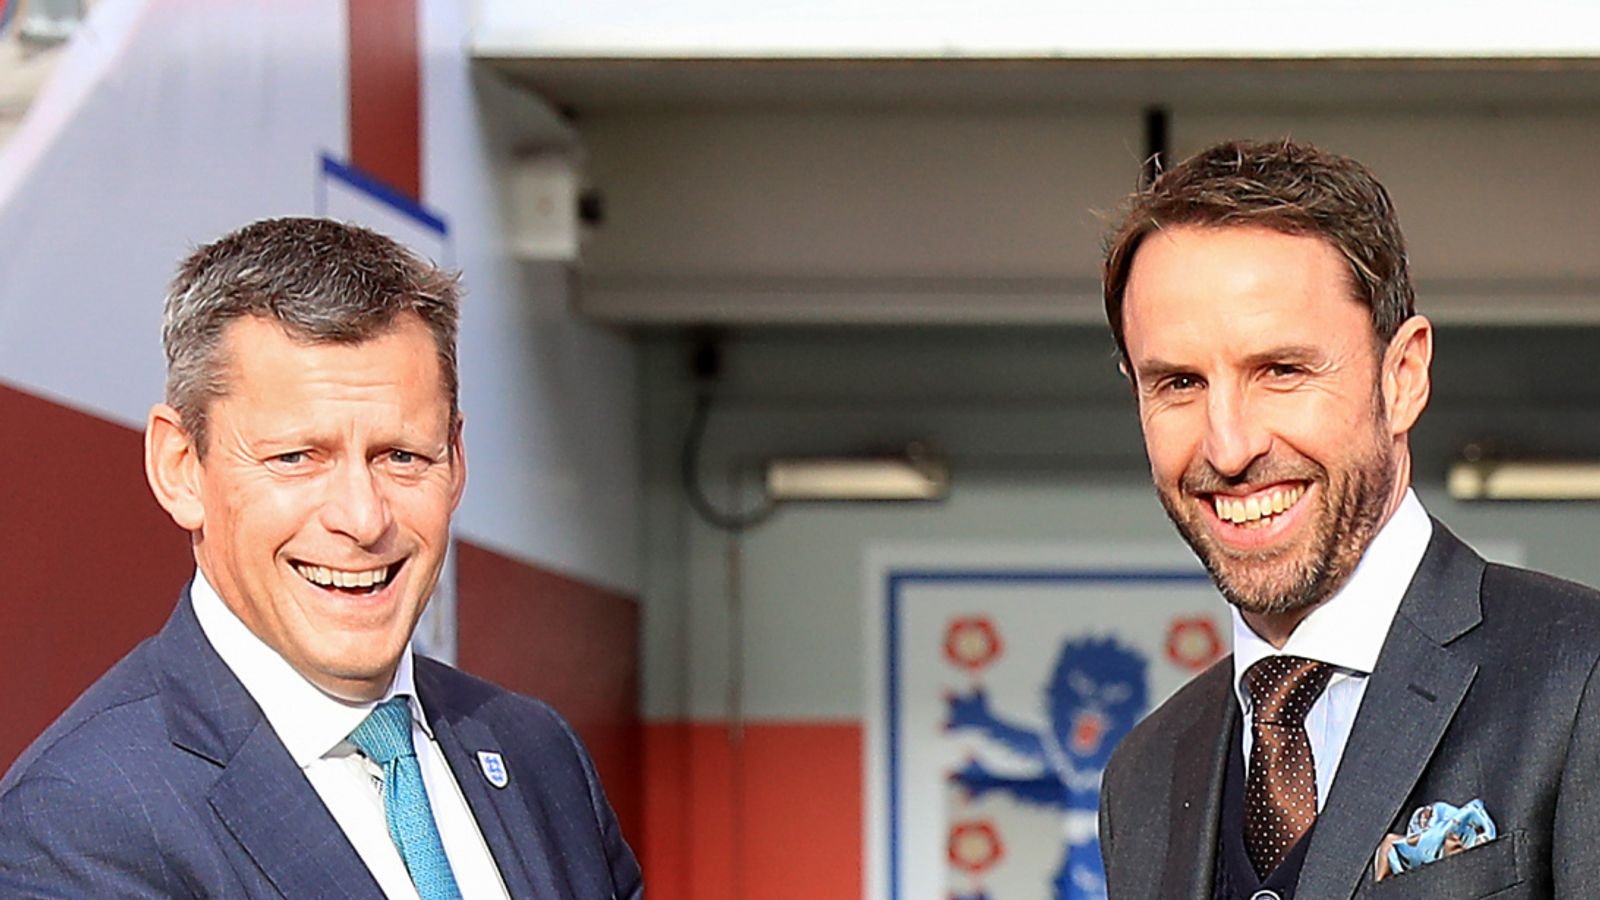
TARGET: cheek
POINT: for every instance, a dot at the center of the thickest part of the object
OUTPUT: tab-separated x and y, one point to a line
423	511
260	522
1170	442
1325	427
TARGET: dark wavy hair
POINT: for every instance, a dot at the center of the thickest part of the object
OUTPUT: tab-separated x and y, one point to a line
1287	187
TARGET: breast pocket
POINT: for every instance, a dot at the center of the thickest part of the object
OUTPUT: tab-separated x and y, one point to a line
1483	871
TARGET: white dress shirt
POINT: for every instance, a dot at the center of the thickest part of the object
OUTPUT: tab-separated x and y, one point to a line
1346	632
314	727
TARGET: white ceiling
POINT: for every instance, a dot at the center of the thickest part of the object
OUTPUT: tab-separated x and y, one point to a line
719	163
1263	85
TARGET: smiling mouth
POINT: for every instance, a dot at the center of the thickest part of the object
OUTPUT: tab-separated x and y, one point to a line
1257	510
348	581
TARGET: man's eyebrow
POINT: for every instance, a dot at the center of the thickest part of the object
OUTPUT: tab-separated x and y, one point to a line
1288	353
1153	369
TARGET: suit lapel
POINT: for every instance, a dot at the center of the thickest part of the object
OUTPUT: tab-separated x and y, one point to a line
500	812
1195	796
516	839
275	814
1413	694
261	797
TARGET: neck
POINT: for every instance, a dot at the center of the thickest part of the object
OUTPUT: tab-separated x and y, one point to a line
1276	628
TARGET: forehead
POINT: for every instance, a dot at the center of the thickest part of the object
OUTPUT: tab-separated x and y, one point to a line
1210	286
264	364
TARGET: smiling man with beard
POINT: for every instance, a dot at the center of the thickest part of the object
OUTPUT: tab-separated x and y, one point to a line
1260	297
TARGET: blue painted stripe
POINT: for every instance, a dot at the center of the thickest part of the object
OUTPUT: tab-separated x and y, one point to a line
893	632
384	194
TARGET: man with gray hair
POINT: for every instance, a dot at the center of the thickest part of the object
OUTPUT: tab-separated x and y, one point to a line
278	737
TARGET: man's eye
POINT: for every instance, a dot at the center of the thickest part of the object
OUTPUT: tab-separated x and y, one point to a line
1181	383
292	458
407	458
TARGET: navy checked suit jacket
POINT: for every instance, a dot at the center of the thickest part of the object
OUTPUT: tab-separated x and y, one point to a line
165	780
1488	687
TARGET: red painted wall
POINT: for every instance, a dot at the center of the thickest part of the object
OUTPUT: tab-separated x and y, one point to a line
770	811
91	564
386	93
569	643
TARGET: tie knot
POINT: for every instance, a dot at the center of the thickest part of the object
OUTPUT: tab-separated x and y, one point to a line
385	734
1282	688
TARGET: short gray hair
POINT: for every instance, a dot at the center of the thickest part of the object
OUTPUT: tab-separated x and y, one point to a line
323	281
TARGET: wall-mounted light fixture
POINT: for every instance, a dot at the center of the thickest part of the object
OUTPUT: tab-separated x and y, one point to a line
914	476
1524	480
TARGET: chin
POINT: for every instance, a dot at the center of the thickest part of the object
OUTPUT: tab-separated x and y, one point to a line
1272	597
362	660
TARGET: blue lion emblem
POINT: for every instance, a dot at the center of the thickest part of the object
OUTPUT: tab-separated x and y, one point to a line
1095	695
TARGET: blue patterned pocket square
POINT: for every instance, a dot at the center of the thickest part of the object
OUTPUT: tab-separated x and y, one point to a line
1434	832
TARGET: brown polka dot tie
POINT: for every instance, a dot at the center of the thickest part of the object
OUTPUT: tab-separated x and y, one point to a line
1280	794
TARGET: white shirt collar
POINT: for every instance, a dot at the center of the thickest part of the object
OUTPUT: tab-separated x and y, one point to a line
1348	630
310	722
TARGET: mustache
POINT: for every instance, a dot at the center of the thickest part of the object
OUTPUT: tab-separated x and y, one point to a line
1203	478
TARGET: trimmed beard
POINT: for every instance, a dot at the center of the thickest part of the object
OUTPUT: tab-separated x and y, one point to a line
1351	509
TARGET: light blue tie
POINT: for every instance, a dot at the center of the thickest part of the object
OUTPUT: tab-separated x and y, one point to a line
385	737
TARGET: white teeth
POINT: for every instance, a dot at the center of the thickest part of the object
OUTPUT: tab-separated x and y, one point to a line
326	577
1255	508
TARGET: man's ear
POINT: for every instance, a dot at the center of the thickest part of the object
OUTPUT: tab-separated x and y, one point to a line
1406	382
172	466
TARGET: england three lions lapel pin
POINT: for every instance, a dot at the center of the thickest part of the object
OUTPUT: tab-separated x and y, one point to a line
494	768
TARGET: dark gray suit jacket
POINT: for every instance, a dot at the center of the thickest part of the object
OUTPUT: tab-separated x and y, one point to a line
1485	688
164	780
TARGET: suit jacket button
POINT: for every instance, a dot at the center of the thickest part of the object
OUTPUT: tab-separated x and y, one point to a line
1265	895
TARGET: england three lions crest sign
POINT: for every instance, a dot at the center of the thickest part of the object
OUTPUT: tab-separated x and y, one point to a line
997	692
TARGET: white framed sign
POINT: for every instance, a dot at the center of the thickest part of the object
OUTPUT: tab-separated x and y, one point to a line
999	681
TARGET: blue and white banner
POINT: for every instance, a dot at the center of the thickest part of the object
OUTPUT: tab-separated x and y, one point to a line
997	689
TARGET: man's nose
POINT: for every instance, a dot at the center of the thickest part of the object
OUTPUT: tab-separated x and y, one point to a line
356	505
1234	437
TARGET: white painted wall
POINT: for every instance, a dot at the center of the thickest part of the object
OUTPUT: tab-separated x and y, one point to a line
550	399
1050	28
1045	450
169	123
164	126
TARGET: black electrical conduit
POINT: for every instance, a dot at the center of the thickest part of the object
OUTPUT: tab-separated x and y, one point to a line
693	488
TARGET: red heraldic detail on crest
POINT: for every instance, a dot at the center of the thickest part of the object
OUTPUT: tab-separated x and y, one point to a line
975	846
972	642
1192	643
